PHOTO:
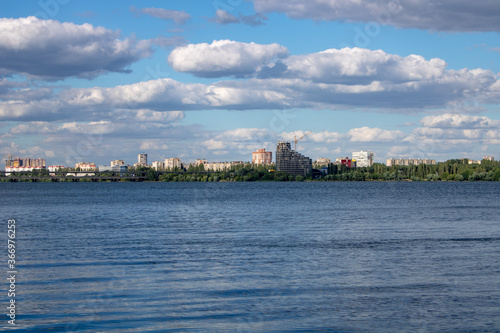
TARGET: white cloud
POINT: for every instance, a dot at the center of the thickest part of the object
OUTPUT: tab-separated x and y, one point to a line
224	58
212	144
444	15
459	121
49	49
358	66
153	145
366	134
333	79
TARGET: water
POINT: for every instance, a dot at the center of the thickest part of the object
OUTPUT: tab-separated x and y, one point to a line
255	257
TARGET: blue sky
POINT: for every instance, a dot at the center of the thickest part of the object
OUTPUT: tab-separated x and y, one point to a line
103	80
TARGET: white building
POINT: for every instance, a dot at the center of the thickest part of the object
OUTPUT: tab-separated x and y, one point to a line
53	168
85	166
158	165
172	163
363	158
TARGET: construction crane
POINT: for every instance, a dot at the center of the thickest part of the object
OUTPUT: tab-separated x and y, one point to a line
296	140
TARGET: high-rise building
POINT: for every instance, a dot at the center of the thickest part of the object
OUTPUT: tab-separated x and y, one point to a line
363	158
290	161
142	159
172	163
261	156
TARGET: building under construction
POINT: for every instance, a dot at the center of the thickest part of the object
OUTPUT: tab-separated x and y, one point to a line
290	161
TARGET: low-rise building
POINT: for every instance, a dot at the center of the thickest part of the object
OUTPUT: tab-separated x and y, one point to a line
24	169
489	158
113	168
322	162
348	162
221	166
85	166
53	168
409	161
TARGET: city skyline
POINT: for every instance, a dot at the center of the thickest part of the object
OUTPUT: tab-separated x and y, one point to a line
258	157
105	81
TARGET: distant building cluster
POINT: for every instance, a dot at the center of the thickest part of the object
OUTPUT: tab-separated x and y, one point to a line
409	161
23	164
485	158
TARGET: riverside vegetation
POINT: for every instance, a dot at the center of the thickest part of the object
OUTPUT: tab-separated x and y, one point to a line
451	170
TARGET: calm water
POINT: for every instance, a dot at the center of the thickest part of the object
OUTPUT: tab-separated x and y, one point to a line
244	257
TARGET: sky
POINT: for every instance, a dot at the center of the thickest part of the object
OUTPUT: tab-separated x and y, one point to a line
97	81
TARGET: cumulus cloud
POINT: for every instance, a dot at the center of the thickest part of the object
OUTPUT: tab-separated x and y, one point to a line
179	17
445	15
356	65
332	79
224	58
459	121
223	17
366	134
449	132
49	49
242	139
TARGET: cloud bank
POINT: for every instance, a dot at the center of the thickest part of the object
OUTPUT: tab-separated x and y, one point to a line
48	49
444	15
